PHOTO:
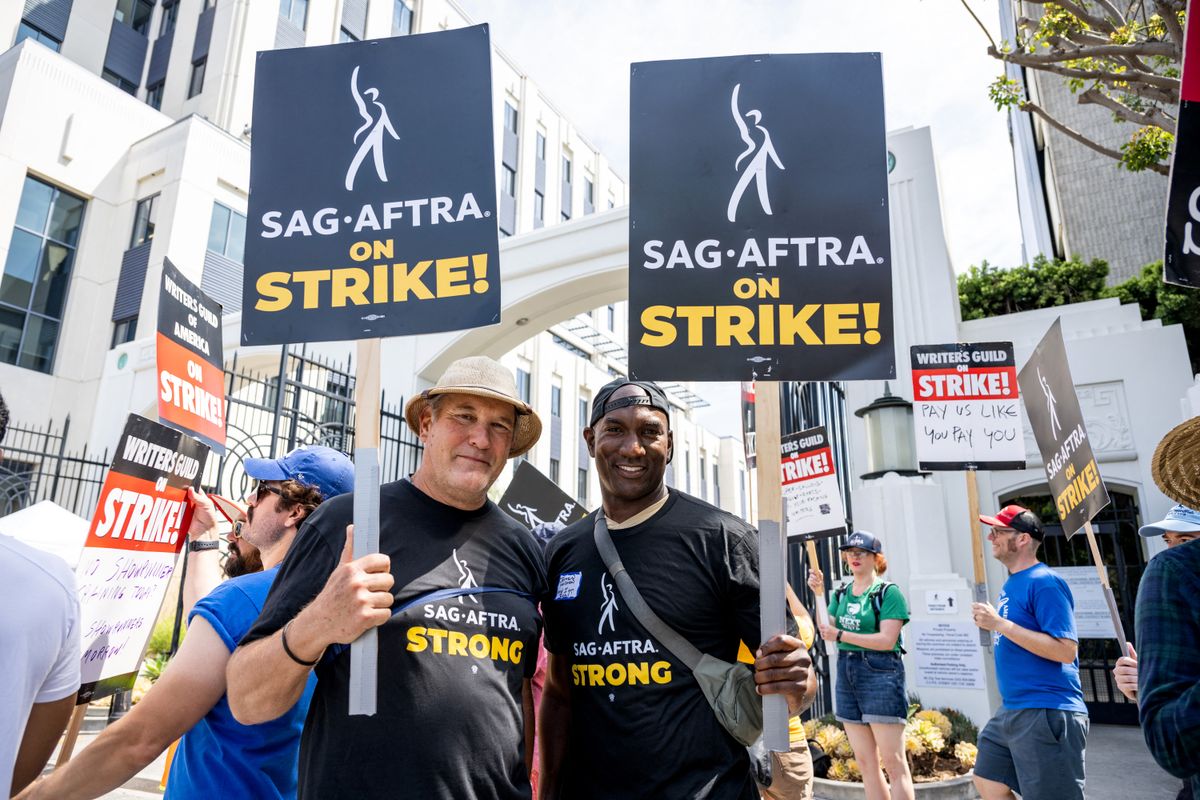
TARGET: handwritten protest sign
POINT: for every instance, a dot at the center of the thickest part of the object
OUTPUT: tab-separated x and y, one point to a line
190	360
139	527
758	229
534	500
966	406
372	206
811	492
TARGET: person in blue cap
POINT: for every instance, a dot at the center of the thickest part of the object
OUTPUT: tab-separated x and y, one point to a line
1181	525
867	614
218	756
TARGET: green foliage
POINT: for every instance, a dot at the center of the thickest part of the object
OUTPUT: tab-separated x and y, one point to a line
154	665
160	637
989	291
961	727
1148	145
1004	93
1174	305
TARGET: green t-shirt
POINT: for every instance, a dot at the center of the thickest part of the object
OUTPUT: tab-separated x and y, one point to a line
856	613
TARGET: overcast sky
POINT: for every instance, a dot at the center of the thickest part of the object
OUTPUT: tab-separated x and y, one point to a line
936	73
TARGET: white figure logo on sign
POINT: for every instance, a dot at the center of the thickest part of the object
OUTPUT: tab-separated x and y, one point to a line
376	119
1051	405
756	168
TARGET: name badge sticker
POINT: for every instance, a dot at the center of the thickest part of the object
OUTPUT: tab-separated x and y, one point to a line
568	585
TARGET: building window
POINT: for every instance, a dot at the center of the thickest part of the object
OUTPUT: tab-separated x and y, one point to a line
346	36
33	288
510	117
716	484
703	477
143	220
508	180
136	14
540	146
154	96
227	233
589	191
611	313
581	486
27	31
119	82
524	386
196	83
402	18
294	11
166	24
554	470
124	330
566	168
539	207
583	413
742	485
556	401
687	472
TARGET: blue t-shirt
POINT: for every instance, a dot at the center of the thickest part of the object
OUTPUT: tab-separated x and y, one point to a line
220	757
1038	599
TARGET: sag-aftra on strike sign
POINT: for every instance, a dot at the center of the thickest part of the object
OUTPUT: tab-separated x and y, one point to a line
372	206
758	229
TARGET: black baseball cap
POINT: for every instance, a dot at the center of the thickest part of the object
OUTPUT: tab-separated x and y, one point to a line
655	397
863	540
1019	518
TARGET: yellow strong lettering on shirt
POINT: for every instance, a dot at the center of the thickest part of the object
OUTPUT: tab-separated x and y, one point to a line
457	643
617	674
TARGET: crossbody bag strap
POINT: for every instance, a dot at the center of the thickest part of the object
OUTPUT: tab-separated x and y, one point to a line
667	636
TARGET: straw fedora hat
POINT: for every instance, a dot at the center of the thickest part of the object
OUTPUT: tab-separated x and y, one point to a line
482	377
1175	464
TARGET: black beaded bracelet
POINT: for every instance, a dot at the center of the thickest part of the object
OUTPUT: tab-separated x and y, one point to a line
290	654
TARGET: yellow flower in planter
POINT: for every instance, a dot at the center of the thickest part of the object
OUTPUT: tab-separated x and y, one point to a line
922	736
829	738
843	749
810	728
852	768
965	752
940	720
838	771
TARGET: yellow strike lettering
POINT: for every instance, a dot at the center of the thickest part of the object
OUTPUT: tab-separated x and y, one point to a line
766	325
795	324
478	645
438	635
660	672
275	296
615	674
405	280
639	673
595	675
350	284
733	322
379	284
840	321
311	279
456	644
416	639
695	315
659	332
452	277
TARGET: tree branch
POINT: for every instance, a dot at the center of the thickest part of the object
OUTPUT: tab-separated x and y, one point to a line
1112	11
1153	117
978	22
1080	13
1071	133
1171	22
1049	63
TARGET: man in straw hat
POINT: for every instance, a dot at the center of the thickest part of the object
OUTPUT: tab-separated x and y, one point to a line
621	715
453	591
1167	621
217	756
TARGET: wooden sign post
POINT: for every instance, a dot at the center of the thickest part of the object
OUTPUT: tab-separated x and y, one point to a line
810	547
981	590
772	562
1106	587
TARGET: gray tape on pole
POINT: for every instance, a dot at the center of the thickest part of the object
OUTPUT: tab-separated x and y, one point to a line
981	596
771	578
364	651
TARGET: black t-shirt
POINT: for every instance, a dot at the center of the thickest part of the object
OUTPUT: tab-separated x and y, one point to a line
450	722
640	726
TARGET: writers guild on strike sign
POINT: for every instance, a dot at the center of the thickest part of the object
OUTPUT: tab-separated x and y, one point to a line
380	220
759	233
190	359
811	491
966	406
1057	421
139	526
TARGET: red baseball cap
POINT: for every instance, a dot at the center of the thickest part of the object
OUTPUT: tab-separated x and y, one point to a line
1018	518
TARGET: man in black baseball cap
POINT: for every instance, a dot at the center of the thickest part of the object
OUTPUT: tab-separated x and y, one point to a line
621	716
1037	668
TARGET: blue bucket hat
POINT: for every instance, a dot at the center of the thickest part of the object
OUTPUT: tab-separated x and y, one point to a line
329	471
863	540
1179	519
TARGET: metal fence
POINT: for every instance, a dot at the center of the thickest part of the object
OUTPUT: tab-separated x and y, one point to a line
304	400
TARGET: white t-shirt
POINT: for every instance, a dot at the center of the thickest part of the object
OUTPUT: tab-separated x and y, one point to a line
39	628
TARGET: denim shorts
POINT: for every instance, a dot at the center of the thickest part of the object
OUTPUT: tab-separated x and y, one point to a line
1036	752
870	687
